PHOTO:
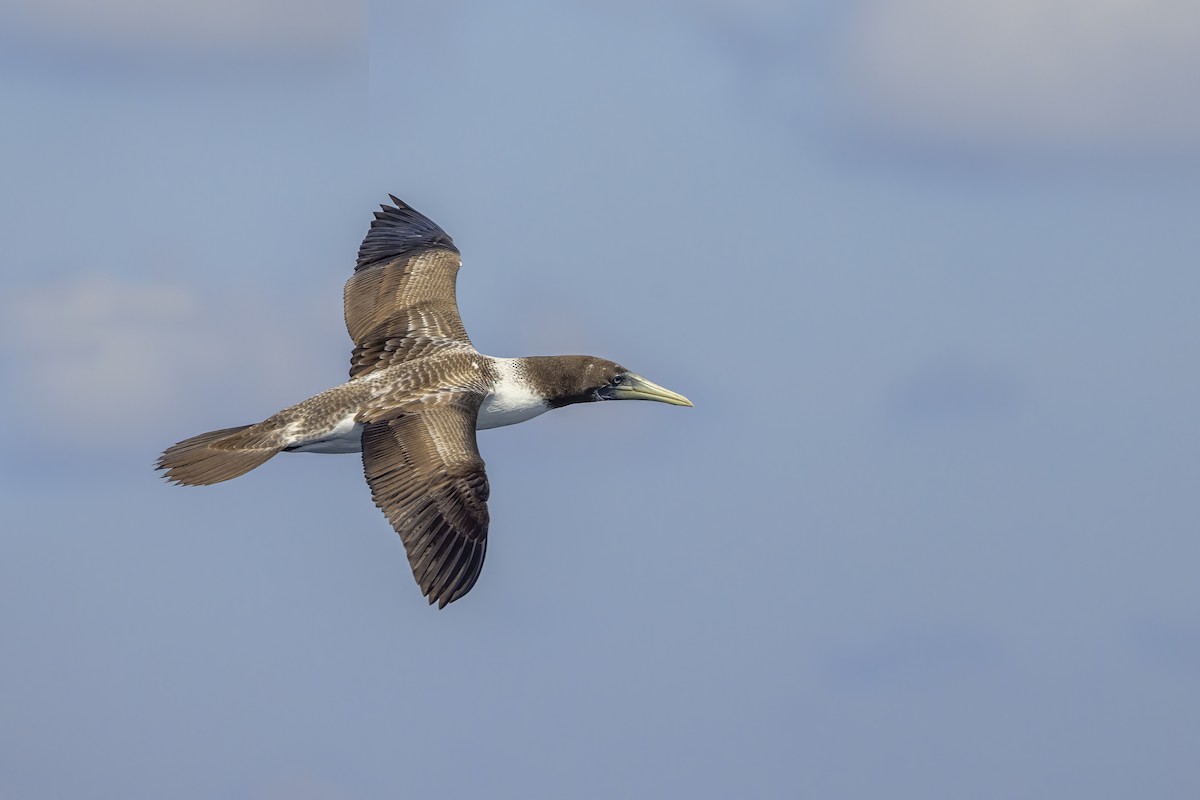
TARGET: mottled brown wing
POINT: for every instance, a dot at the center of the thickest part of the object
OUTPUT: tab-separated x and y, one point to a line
400	302
426	475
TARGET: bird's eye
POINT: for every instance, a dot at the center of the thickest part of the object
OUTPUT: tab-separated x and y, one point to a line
618	380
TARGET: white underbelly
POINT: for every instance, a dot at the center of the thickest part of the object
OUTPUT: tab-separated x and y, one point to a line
346	437
498	416
510	401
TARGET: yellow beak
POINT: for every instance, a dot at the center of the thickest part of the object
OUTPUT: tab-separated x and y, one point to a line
636	387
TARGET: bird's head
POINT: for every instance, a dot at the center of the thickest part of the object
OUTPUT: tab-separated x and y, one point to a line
587	379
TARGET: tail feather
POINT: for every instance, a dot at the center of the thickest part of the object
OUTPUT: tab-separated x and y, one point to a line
214	457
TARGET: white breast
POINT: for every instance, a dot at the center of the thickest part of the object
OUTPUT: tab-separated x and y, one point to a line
511	400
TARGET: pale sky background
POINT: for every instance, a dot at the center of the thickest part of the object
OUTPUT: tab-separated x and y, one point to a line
929	271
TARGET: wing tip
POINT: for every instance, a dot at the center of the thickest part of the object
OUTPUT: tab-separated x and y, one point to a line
457	582
399	229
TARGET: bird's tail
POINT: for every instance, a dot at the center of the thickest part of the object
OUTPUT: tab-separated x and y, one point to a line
215	456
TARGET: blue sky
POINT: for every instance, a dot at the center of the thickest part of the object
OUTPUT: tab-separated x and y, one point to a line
928	273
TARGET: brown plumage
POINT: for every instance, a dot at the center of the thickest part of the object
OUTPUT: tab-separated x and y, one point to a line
400	303
213	457
417	393
427	476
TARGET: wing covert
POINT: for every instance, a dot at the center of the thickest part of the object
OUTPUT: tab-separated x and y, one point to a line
400	303
427	476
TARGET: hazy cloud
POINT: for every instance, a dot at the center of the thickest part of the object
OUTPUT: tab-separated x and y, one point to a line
311	28
1065	75
994	76
93	359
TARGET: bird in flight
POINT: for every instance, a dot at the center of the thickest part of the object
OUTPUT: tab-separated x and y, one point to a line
418	391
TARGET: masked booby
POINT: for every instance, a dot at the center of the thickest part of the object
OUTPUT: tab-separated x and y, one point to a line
418	391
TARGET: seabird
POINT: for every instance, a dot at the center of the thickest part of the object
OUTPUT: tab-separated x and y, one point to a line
418	391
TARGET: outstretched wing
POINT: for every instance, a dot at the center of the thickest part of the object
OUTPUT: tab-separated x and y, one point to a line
400	302
426	475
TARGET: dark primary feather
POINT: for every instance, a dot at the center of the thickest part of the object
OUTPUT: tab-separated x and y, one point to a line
400	303
400	230
427	476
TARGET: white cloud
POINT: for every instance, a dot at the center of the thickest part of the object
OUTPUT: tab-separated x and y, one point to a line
215	27
1083	75
92	360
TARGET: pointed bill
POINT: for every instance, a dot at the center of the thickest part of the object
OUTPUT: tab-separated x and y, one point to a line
638	388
